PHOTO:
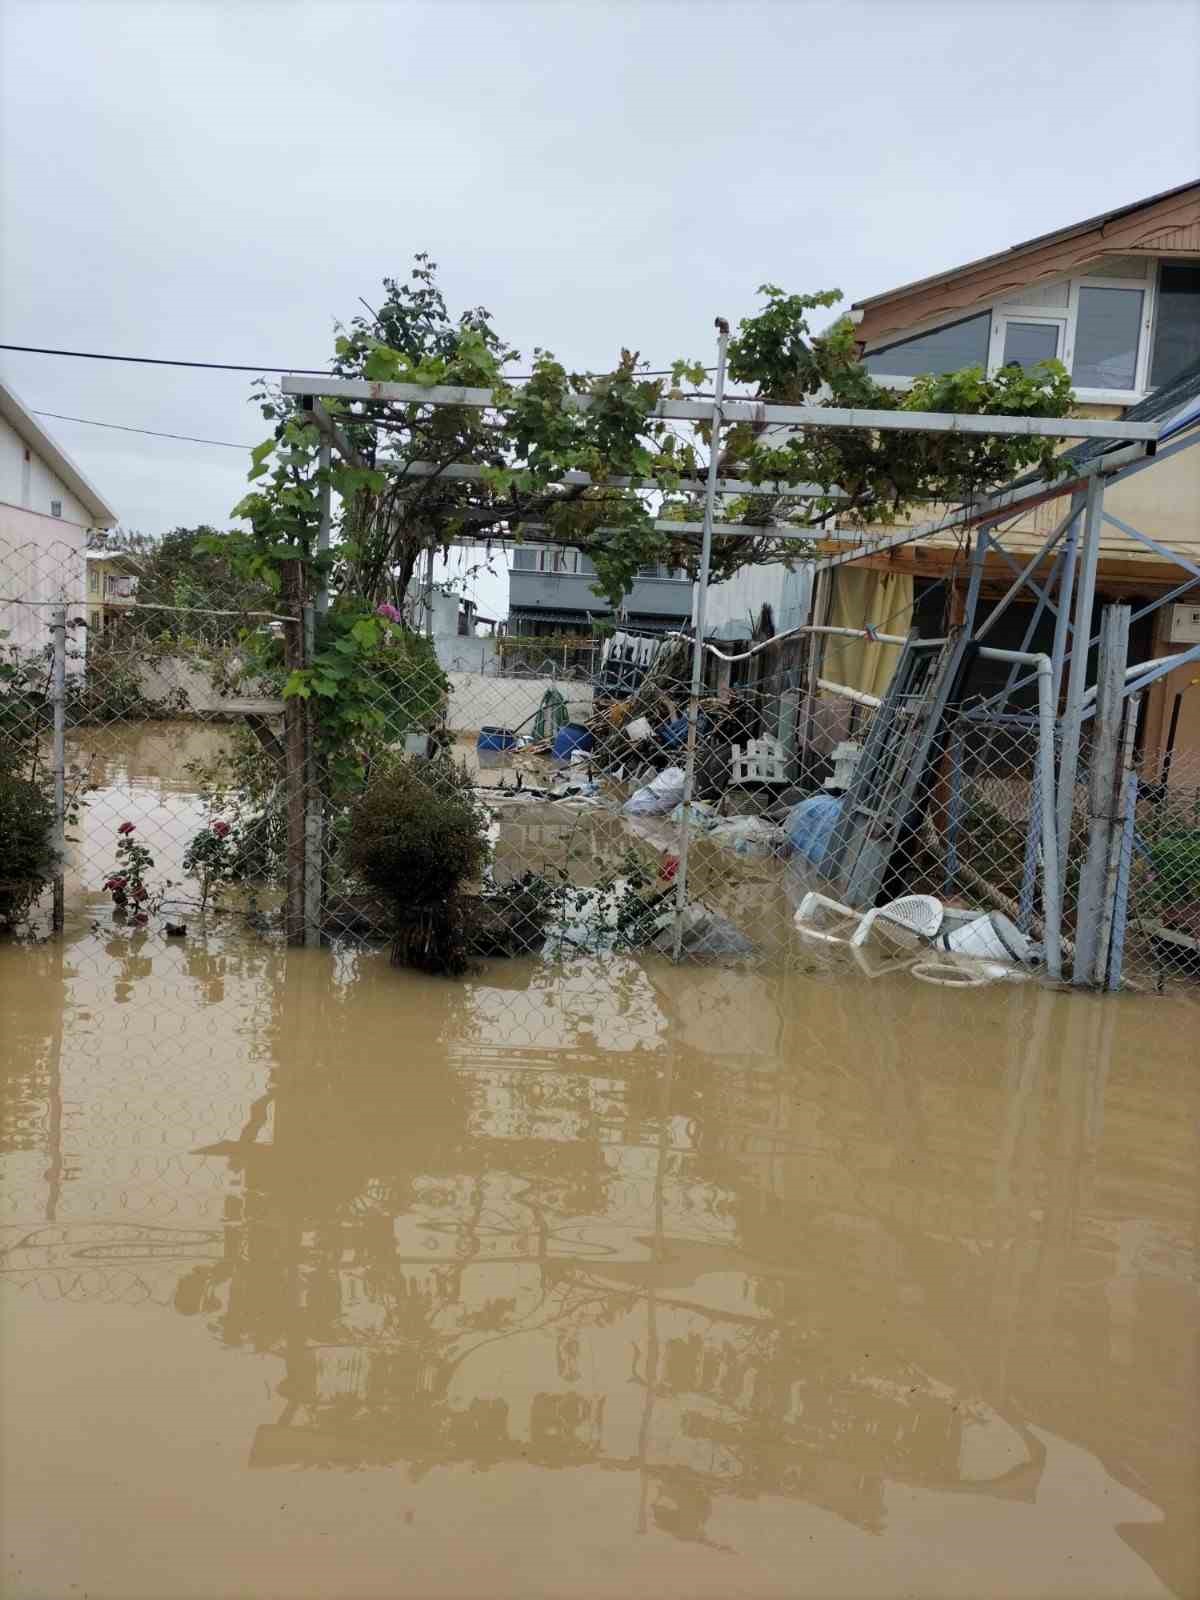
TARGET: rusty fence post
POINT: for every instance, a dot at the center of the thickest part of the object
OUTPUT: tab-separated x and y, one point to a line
295	743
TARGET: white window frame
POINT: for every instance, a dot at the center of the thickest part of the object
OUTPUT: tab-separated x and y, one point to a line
1006	311
1001	317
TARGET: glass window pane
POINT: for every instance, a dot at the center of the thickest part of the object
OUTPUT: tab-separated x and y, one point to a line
525	558
587	566
1177	334
1106	338
960	344
1027	343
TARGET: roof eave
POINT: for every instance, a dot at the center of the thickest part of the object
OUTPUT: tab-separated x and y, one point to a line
1056	236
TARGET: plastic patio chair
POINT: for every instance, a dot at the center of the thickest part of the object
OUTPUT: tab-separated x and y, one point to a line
919	914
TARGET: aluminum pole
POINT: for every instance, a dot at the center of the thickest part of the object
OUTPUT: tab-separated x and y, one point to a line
1085	597
1051	859
324	461
58	696
1062	620
1092	909
689	768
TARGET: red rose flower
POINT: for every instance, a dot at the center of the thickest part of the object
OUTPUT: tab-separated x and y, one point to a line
116	883
221	829
126	827
140	892
140	918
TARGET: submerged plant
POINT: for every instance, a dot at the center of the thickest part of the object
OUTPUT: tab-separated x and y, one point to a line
131	894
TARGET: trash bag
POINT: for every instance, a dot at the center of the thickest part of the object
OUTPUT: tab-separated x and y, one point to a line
705	934
700	814
661	794
749	836
809	826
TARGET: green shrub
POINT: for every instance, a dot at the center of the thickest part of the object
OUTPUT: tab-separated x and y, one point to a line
27	858
417	836
1175	860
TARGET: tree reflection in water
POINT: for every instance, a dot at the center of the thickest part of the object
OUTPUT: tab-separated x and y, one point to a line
473	1254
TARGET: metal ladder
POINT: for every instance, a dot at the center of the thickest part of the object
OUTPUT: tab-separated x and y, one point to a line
893	765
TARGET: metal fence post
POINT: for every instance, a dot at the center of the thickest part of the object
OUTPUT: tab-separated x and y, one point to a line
1115	901
313	818
58	700
689	769
295	739
1085	599
1066	585
1090	944
1116	956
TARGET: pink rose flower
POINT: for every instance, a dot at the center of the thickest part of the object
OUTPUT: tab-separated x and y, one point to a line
388	611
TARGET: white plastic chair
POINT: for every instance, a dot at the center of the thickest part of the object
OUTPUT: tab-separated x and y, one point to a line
813	902
919	914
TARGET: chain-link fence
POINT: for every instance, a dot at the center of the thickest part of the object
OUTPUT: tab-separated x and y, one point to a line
506	814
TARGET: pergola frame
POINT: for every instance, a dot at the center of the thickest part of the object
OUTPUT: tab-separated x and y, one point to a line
1136	446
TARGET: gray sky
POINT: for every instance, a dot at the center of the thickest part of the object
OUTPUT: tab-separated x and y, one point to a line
220	180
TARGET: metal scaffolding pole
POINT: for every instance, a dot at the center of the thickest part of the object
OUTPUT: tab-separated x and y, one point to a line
58	699
689	769
1072	721
1091	947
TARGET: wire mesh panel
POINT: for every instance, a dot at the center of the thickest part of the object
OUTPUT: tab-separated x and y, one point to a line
188	754
1163	862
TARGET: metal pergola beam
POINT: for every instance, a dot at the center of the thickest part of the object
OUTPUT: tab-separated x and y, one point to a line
461	472
752	411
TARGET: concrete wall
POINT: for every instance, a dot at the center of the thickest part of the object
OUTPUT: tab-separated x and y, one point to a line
458	652
479	701
163	677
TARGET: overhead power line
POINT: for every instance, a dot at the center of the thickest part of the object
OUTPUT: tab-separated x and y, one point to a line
164	361
155	433
235	366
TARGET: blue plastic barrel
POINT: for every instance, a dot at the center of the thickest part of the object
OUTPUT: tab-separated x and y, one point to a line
496	739
570	737
674	734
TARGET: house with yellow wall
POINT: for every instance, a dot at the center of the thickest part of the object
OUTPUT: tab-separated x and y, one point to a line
1116	299
112	583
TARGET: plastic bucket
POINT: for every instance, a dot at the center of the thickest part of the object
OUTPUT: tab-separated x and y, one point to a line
992	937
496	739
572	736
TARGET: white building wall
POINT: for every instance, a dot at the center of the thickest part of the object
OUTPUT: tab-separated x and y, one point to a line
41	564
732	608
30	484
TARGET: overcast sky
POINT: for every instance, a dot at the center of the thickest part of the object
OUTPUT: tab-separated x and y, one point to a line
220	180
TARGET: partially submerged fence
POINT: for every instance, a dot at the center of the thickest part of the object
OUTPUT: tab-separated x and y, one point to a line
186	787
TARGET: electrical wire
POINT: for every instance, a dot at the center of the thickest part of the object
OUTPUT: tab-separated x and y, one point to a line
155	433
235	366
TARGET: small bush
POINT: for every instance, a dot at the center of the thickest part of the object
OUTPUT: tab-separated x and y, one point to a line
417	836
27	859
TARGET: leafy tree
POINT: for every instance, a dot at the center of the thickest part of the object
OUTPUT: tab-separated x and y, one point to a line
193	571
388	519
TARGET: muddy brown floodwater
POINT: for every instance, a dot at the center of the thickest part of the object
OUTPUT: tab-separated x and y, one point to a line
603	1279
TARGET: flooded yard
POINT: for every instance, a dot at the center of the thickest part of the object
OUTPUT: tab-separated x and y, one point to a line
588	1279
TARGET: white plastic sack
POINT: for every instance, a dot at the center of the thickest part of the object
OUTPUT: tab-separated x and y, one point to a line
659	796
749	836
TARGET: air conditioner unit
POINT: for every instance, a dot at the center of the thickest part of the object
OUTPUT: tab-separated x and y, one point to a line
1183	624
